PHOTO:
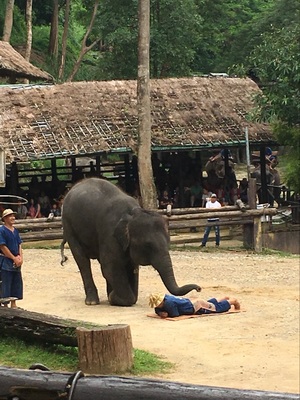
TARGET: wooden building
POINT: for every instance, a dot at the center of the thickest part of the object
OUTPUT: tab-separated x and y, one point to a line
190	116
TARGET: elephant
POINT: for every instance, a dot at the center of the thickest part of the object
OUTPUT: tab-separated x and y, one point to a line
102	222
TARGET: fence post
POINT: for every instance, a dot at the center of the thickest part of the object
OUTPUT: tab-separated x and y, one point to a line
257	234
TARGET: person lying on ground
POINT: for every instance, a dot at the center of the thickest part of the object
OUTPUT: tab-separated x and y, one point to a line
172	306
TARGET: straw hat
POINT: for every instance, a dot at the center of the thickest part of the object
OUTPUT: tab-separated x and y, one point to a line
7	212
155	299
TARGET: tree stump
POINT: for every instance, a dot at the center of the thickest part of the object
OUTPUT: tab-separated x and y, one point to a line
106	350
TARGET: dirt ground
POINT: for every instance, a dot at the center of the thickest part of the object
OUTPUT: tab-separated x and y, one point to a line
255	349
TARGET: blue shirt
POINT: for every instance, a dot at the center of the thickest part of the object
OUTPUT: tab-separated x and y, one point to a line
12	240
176	306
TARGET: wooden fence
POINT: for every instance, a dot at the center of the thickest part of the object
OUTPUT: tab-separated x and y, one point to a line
181	220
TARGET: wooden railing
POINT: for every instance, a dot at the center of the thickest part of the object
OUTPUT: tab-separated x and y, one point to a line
180	220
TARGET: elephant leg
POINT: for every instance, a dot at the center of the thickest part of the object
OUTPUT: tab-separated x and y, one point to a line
84	265
109	288
133	278
122	287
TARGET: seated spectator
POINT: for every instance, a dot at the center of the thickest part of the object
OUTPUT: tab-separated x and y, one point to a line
45	204
205	197
196	194
21	210
34	209
55	210
165	200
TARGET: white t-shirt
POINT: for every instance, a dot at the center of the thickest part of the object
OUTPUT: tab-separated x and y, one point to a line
215	204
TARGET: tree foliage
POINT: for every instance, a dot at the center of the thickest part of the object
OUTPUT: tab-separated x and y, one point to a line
277	65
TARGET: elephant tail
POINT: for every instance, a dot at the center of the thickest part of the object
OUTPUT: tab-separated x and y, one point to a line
62	252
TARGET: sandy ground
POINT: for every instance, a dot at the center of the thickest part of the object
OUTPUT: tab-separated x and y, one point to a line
255	349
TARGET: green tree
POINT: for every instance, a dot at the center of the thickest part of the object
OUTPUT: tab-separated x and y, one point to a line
277	65
174	30
223	20
270	15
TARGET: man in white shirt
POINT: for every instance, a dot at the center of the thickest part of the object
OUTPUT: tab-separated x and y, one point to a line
212	203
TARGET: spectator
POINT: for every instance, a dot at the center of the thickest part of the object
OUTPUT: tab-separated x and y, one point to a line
165	200
212	203
21	210
34	209
205	196
44	203
11	260
196	194
55	210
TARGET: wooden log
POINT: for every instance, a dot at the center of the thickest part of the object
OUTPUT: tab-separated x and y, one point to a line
32	326
31	385
41	225
201	224
35	221
195	210
106	350
42	235
212	213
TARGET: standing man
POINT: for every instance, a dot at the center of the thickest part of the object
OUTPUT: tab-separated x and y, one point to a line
11	259
212	203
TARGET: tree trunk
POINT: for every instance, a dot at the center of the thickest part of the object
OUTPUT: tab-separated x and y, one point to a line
106	350
53	41
146	181
29	29
64	41
8	22
84	47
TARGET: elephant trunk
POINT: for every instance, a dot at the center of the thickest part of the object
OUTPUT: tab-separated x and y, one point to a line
165	270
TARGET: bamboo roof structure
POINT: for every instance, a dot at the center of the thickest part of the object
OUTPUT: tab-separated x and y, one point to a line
89	118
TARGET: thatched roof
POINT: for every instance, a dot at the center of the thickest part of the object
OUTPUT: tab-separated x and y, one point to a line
14	66
85	118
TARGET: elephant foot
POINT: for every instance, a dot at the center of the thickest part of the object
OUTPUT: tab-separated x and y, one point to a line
90	302
117	301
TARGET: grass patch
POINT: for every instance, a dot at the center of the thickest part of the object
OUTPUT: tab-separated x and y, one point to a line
230	249
278	253
16	353
149	364
45	244
19	354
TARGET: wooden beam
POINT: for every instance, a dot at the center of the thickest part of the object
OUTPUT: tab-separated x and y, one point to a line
56	386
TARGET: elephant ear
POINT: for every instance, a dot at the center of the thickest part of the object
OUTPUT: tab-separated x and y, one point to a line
121	233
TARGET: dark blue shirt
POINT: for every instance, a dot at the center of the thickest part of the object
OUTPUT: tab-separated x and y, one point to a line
12	240
176	306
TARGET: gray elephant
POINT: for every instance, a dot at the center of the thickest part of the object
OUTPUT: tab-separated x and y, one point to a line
101	222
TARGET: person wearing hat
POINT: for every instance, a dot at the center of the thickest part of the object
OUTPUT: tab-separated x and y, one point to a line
172	306
11	259
212	203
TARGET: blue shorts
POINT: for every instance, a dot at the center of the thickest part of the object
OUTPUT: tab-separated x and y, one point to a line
221	306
